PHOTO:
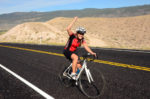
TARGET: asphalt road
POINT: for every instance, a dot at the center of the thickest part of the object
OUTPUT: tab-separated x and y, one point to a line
42	69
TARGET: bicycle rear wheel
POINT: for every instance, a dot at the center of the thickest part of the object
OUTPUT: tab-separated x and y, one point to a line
94	89
64	79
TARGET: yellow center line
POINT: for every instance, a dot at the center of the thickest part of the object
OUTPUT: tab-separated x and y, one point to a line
97	61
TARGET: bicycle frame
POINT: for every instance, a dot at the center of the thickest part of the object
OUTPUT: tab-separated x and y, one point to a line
88	73
67	71
84	67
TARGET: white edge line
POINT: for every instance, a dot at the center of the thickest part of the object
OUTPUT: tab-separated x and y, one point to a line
44	94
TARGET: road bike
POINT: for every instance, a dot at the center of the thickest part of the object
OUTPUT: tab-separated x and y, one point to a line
90	81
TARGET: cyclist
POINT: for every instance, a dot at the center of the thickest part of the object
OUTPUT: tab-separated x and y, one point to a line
75	40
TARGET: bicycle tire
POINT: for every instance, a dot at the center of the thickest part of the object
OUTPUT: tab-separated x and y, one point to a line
94	89
65	80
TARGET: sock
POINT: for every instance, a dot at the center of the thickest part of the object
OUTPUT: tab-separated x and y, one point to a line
73	73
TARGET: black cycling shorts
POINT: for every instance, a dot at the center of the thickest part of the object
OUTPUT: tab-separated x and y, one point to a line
68	54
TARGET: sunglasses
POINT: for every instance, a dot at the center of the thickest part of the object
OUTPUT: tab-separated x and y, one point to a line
81	33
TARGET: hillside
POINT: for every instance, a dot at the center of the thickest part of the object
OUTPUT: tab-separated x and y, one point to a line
128	32
10	20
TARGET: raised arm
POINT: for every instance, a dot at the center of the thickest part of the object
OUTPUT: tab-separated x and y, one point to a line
70	25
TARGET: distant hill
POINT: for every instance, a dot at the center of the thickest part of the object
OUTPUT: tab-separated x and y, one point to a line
10	20
124	32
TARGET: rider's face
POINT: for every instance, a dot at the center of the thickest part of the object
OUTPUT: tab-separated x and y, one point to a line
80	36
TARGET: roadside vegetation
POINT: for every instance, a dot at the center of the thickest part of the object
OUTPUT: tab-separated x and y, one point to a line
3	31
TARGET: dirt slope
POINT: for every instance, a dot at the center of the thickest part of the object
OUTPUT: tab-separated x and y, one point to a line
127	32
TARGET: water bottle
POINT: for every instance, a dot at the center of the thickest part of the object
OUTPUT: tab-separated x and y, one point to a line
78	70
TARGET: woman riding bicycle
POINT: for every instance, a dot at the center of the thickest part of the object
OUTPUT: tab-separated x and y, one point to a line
75	40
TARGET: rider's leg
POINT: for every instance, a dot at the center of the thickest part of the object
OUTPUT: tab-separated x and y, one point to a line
74	58
79	65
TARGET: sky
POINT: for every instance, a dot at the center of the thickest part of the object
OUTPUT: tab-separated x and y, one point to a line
9	6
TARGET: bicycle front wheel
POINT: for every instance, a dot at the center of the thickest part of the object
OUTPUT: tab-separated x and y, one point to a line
93	89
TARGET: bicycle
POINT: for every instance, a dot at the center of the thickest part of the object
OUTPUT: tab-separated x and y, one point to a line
91	87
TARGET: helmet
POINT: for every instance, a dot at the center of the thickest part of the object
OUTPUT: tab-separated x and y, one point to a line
81	30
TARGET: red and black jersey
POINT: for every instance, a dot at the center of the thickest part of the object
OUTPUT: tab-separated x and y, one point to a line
73	43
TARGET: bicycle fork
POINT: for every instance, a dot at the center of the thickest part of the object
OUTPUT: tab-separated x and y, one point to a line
89	76
88	73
